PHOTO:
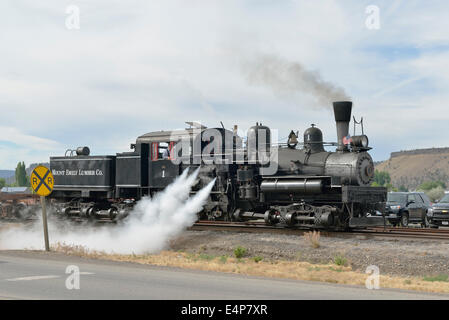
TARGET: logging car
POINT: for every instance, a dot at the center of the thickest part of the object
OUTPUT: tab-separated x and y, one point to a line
407	207
438	215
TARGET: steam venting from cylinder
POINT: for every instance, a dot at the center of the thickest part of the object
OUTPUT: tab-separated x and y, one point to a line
342	112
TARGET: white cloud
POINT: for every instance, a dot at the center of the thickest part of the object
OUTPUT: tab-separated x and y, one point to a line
13	135
139	66
17	146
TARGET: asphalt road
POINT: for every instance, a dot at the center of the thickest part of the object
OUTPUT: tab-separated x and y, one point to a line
40	275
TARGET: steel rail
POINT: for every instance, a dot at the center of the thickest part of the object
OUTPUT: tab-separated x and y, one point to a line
390	232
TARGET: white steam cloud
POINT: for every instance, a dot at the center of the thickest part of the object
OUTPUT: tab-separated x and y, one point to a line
148	229
287	78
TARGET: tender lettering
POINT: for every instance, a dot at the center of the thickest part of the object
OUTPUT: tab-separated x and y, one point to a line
79	172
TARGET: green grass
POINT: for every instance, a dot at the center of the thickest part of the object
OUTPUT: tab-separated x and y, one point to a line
223	259
239	252
204	256
314	269
190	256
340	260
440	277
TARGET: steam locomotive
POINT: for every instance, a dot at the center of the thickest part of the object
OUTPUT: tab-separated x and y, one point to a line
290	184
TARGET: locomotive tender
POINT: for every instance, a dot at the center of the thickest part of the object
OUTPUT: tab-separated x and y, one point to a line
280	183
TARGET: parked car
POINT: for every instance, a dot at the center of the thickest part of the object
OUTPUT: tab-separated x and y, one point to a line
407	207
439	213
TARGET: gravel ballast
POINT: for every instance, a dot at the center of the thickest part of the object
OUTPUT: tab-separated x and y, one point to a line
404	256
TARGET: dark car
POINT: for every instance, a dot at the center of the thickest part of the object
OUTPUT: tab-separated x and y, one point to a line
439	214
407	207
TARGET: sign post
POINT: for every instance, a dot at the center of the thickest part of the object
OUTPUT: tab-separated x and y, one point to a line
44	220
42	183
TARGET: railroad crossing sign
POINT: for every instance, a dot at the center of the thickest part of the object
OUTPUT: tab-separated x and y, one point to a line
42	181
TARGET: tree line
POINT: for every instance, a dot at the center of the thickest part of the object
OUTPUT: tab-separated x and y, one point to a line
21	178
433	189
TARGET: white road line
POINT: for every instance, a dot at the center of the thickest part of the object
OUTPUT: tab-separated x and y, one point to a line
42	277
32	278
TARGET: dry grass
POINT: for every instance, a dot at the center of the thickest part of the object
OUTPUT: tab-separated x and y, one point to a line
273	269
313	237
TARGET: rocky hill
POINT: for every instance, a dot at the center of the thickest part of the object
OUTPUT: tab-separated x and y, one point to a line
6	173
413	167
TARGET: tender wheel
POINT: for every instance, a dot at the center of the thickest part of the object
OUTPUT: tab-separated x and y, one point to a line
268	217
393	223
112	213
236	215
404	220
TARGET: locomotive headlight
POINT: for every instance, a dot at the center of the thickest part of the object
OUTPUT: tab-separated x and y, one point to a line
360	141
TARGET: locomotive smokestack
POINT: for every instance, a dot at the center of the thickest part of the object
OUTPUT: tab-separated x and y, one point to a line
342	112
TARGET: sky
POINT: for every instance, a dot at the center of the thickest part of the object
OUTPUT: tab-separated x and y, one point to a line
125	68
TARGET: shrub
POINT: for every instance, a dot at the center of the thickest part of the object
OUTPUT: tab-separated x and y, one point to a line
429	185
435	193
239	252
313	238
340	260
382	178
257	259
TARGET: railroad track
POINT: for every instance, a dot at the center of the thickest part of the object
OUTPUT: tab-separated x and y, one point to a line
390	232
261	227
421	233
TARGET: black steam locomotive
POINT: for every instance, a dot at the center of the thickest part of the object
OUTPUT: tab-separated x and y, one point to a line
281	183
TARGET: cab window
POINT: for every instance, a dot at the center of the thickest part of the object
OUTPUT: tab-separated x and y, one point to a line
162	151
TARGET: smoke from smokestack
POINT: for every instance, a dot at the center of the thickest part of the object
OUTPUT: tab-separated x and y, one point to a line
148	229
288	78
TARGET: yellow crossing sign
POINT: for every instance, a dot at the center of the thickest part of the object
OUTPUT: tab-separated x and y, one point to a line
42	181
